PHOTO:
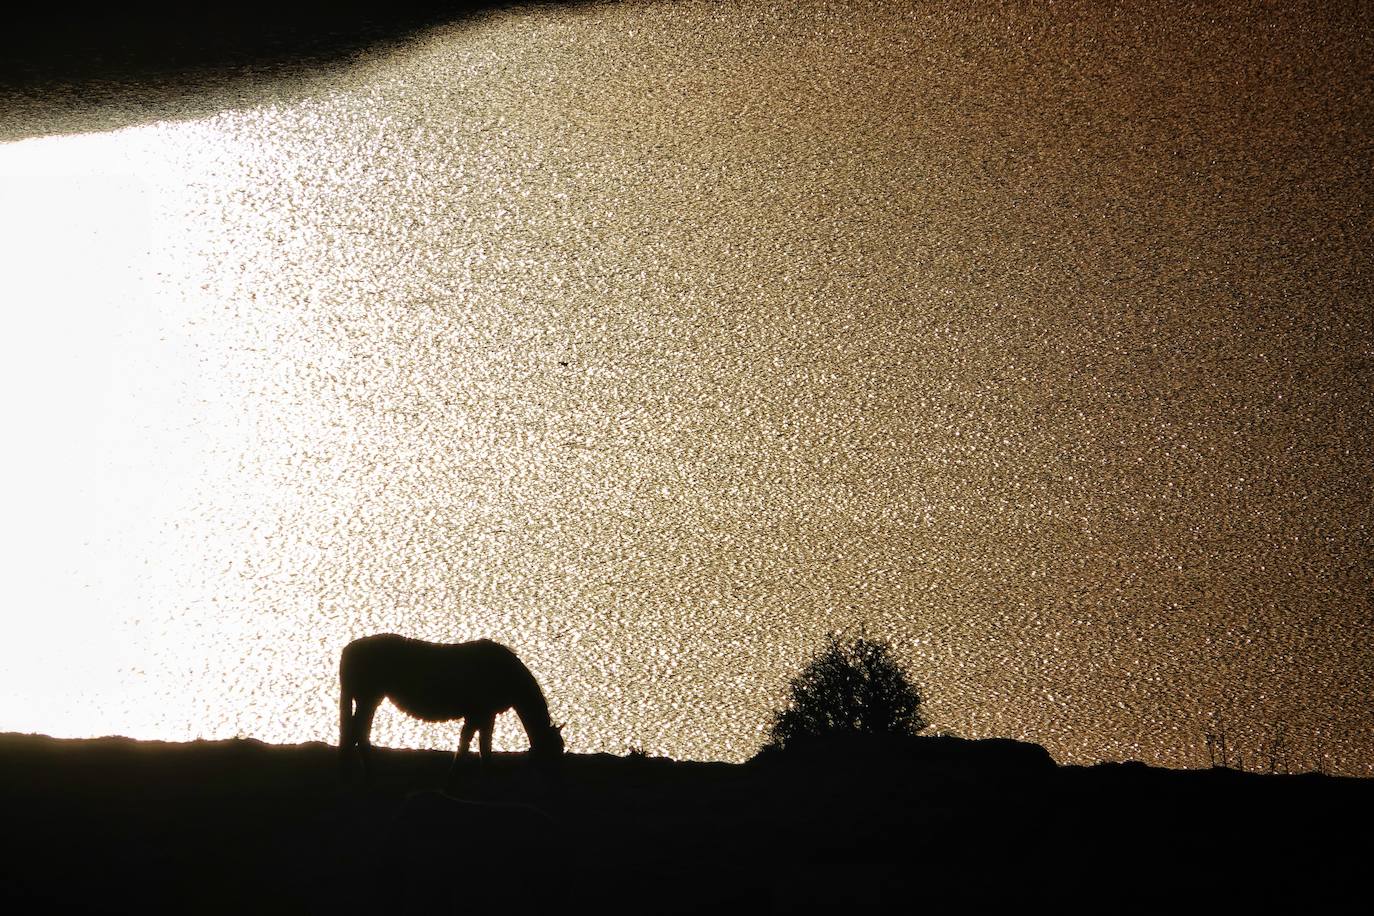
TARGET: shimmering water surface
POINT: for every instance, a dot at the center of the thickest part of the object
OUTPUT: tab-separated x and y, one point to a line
656	341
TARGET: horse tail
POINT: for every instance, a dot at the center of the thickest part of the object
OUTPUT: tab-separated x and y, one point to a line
345	723
346	737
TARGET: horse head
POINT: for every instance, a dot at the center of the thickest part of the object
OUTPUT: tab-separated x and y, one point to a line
546	745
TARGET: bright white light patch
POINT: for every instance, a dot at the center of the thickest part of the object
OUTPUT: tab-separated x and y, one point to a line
98	385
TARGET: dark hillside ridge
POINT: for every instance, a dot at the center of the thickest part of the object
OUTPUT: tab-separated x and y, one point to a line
46	43
119	825
68	69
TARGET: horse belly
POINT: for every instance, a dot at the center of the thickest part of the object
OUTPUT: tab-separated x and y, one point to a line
429	708
444	688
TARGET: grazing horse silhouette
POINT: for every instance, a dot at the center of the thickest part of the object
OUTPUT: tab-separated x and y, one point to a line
437	682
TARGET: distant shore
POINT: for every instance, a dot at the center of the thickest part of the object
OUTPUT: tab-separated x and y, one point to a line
120	825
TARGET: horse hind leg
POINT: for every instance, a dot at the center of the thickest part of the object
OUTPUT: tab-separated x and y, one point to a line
355	731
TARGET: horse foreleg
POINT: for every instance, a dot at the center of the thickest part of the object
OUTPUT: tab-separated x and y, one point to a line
484	730
469	726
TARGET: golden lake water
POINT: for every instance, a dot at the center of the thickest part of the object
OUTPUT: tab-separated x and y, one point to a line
656	341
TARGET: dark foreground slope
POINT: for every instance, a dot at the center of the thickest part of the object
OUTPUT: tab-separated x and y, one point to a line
123	826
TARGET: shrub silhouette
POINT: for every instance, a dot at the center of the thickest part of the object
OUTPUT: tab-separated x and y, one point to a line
853	687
